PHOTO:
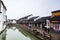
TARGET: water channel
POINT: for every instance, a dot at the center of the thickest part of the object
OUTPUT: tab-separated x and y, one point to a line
16	33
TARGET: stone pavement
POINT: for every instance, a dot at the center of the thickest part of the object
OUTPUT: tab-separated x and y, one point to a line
52	35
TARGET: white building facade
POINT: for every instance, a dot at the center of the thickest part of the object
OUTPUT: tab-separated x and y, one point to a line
3	16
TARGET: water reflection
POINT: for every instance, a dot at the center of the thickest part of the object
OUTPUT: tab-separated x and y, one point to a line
16	33
3	35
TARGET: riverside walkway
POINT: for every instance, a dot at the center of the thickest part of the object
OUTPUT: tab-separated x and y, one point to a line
48	36
44	35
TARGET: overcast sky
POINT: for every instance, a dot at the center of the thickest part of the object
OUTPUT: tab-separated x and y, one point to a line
20	8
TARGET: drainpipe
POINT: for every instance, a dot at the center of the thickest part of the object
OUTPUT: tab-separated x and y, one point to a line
34	26
0	6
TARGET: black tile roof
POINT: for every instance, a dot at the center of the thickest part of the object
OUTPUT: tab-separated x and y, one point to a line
55	11
56	18
25	17
3	5
43	19
32	18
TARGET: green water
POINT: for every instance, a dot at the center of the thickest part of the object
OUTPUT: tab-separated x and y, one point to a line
16	33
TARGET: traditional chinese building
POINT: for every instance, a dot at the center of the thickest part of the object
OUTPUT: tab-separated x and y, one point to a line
55	20
31	21
24	21
43	22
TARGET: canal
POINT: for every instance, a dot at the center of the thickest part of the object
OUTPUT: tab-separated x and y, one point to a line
16	33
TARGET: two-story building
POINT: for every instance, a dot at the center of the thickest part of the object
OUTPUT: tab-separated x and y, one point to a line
55	20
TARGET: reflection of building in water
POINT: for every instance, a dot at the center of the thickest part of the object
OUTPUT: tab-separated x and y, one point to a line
3	16
14	28
55	20
3	35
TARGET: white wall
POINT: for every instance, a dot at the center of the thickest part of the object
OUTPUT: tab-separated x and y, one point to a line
1	21
47	24
3	12
2	18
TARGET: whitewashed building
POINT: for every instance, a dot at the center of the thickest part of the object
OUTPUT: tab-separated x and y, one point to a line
3	16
